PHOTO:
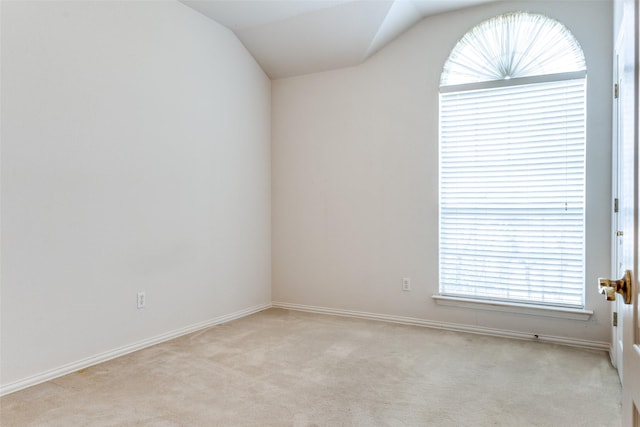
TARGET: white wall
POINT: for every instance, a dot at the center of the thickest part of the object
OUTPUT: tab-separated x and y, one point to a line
355	176
135	156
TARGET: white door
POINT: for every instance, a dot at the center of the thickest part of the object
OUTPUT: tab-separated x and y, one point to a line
617	267
628	215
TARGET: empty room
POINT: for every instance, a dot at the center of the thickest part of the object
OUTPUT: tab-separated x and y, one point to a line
319	213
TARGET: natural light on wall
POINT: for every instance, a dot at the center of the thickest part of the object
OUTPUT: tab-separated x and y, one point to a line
512	163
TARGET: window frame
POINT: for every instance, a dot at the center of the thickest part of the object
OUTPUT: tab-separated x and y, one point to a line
533	307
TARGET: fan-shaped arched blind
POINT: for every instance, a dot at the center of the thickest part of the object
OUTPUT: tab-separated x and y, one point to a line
512	164
510	46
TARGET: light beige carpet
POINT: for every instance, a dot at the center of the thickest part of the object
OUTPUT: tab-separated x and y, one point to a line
285	368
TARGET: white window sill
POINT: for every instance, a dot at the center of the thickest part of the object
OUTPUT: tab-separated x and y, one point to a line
511	307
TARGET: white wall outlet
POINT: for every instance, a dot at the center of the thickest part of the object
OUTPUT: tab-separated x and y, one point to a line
406	283
142	300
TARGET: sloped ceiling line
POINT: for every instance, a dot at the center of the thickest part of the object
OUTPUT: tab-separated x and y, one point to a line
295	37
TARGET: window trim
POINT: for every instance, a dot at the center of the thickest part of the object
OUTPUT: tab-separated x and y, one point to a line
573	75
514	307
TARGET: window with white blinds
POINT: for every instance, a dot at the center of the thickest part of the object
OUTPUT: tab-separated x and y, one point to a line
512	186
512	163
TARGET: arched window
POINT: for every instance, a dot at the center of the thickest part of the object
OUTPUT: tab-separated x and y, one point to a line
512	163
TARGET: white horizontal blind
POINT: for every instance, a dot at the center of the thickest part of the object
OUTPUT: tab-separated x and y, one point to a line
512	184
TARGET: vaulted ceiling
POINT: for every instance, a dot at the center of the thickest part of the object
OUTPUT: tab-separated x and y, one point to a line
294	37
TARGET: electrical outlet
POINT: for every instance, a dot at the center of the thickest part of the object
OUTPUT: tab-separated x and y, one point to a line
406	283
142	300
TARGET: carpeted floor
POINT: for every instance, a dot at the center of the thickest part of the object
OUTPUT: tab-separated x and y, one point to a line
285	368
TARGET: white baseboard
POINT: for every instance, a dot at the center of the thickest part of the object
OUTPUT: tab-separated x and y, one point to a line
112	354
574	342
103	357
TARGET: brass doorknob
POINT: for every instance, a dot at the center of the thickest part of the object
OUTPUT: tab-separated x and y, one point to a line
622	286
